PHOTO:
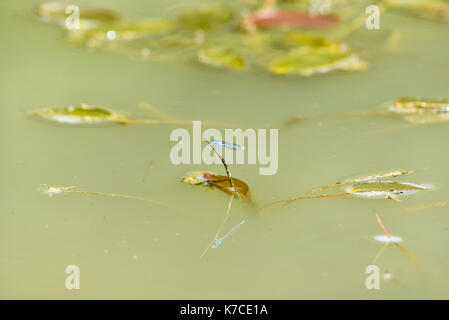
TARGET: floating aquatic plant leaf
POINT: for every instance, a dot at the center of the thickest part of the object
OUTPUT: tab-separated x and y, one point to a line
207	18
410	105
421	110
371	177
86	114
189	34
220	182
366	186
52	190
221	58
415	110
314	61
82	114
384	189
312	41
124	31
272	18
55	12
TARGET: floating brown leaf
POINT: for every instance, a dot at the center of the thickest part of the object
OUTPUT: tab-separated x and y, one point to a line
241	189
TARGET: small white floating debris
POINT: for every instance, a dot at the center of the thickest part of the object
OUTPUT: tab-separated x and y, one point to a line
387	276
388	239
50	191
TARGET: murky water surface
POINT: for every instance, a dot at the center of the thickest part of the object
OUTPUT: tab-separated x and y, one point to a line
130	249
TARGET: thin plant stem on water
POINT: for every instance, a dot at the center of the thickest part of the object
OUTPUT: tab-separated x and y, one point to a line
311	194
423	207
392	241
228	171
220	228
50	191
234	193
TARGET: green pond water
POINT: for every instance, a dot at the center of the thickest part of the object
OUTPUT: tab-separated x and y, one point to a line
130	249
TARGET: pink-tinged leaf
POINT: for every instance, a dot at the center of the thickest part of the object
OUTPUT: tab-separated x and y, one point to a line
292	19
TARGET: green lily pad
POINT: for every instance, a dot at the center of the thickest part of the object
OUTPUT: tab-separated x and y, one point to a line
311	41
207	18
314	61
83	114
126	31
212	35
221	58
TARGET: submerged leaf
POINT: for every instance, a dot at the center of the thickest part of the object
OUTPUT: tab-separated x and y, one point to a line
221	57
83	114
221	182
314	61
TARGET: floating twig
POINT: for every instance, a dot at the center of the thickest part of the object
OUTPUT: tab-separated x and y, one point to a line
50	191
394	241
367	186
